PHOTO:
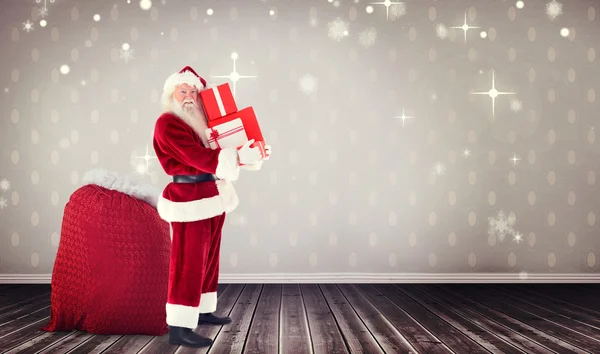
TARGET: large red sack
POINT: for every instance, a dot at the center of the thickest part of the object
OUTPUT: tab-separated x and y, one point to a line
112	267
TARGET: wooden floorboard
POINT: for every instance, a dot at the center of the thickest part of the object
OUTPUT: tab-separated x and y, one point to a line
232	337
422	340
324	331
486	339
356	334
572	323
293	325
507	321
387	336
344	318
520	342
561	308
263	337
557	331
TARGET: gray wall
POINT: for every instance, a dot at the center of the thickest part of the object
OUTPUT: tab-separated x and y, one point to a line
350	188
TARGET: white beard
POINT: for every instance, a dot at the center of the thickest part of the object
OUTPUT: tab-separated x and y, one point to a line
193	116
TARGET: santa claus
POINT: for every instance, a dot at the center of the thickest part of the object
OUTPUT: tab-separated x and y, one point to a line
195	204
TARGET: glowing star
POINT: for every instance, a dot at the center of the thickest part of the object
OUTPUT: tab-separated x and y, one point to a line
234	76
27	26
439	168
441	31
387	4
500	226
514	159
308	84
465	27
518	237
147	157
553	9
338	29
3	203
493	93
516	105
466	153
403	117
4	185
367	38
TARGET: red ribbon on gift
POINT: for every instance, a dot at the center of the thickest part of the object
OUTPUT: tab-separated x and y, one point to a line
214	135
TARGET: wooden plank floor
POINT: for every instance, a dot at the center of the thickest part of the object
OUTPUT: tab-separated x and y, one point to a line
344	318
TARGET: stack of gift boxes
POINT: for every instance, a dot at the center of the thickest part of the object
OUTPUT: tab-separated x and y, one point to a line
228	127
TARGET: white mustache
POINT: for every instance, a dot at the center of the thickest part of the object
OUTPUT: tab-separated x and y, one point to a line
188	101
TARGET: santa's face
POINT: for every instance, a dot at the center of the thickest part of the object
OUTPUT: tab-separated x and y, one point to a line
186	97
184	103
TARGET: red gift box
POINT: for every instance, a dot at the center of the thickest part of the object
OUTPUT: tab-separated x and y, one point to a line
218	101
249	121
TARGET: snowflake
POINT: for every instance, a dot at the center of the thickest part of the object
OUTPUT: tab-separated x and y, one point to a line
3	203
501	226
4	185
439	168
441	30
516	105
397	10
313	22
307	84
28	26
367	38
43	12
553	9
336	3
127	54
523	275
338	29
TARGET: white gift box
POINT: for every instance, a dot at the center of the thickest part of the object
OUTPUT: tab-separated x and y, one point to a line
230	134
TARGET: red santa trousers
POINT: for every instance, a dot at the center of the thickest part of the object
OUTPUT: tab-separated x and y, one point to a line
194	270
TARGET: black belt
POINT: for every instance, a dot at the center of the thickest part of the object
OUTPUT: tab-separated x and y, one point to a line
205	177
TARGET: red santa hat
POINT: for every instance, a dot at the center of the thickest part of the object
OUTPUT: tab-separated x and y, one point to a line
188	76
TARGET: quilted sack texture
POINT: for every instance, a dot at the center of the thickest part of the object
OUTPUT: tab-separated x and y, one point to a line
112	266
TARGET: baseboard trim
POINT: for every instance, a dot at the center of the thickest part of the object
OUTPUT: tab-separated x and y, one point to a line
358	278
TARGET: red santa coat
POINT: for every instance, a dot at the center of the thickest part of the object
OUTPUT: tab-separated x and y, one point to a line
181	152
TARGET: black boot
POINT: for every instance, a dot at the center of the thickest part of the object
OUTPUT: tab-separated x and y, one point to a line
212	319
187	338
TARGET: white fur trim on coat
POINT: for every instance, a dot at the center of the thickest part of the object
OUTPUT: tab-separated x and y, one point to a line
208	303
182	316
228	167
201	209
177	79
127	184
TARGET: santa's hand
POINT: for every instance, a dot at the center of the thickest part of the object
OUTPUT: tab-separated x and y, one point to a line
249	155
268	152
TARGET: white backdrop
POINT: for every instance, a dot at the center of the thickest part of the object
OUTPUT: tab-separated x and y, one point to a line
423	138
